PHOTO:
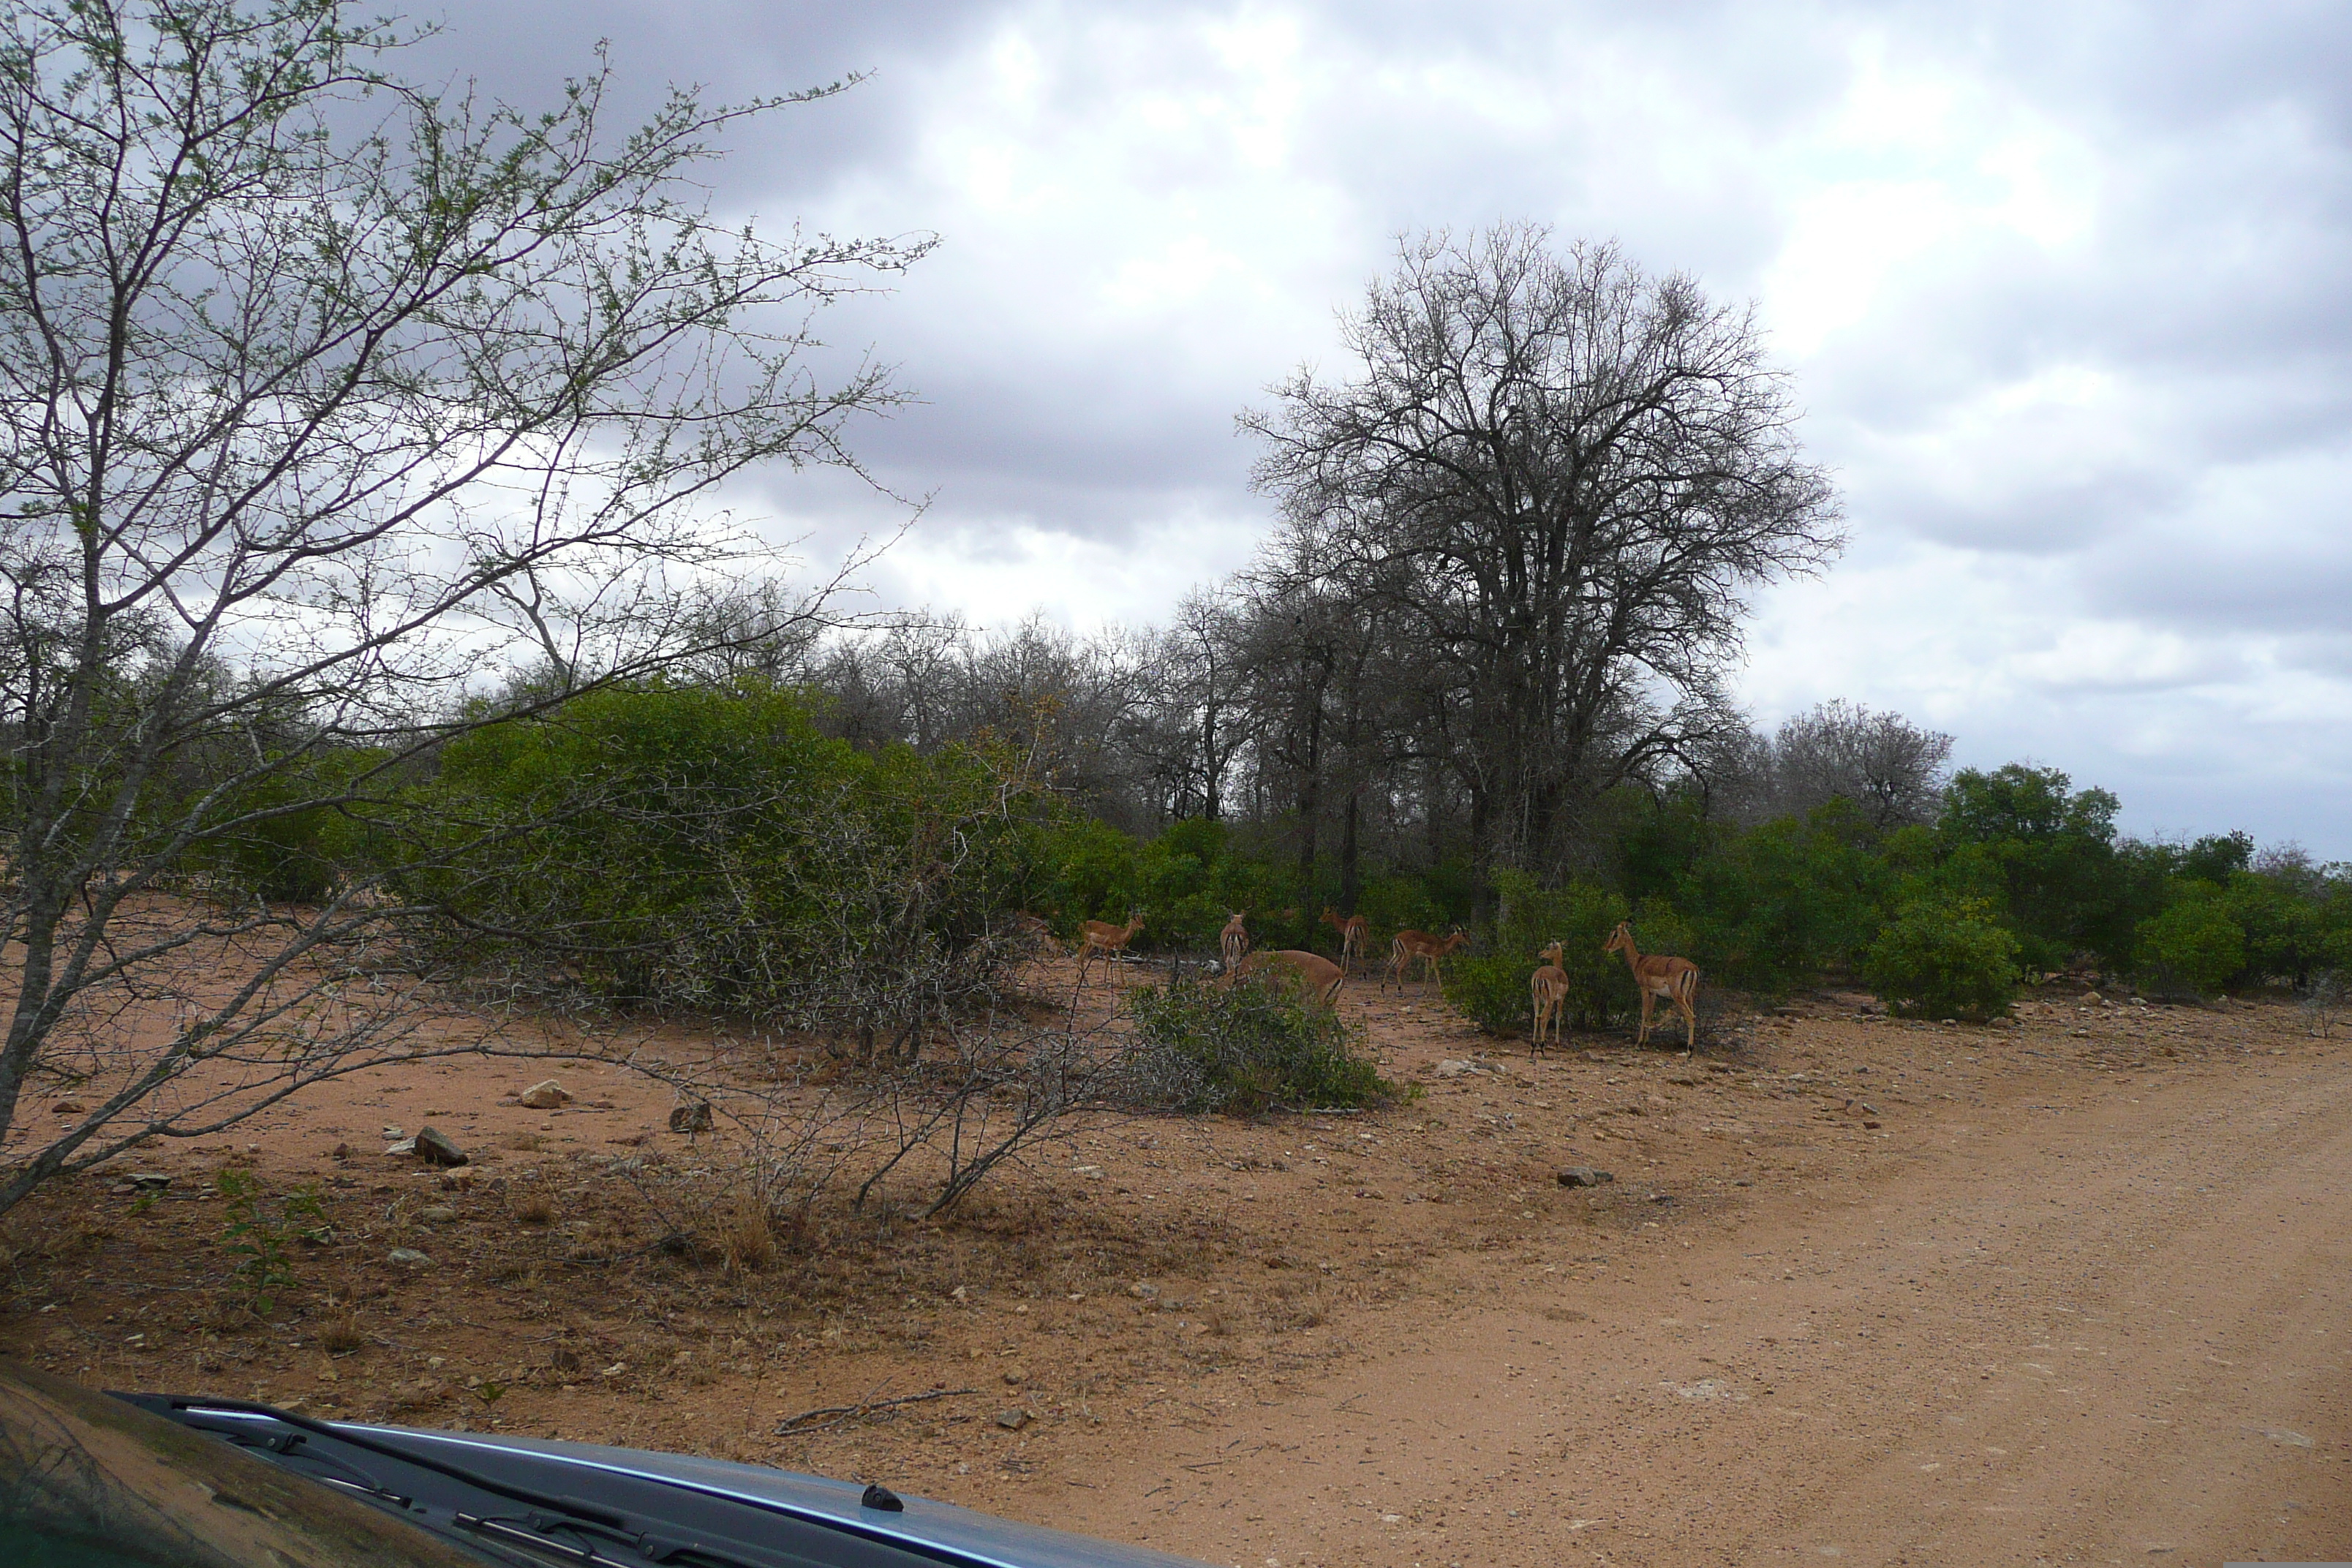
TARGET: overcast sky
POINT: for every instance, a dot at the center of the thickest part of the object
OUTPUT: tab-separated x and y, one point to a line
2067	290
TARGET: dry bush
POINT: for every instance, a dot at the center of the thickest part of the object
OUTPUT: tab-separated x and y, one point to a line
747	1240
342	1335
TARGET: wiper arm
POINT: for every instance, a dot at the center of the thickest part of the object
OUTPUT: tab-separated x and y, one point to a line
547	1511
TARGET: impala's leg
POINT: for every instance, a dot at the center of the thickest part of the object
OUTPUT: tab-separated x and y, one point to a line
1686	1000
1648	1000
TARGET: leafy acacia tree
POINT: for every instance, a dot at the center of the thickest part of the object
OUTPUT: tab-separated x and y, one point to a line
302	433
1557	476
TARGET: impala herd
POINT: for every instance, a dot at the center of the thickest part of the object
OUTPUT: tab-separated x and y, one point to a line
1655	975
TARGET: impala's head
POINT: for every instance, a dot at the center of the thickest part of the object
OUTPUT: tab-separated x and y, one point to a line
1621	939
1554	954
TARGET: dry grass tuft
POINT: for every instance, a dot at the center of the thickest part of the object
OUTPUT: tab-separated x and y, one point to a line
343	1335
747	1239
535	1208
522	1143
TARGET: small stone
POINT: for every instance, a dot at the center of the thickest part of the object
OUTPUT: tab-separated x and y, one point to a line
69	1107
342	1152
1872	1126
437	1214
1013	1420
1015	1376
409	1258
150	1180
2093	999
435	1149
1143	1291
1456	1070
1662	1197
694	1117
1583	1176
402	1148
394	1134
545	1095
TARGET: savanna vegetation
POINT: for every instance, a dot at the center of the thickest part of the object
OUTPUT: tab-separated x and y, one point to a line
363	587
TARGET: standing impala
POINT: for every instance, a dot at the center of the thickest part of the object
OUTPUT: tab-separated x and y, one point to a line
1352	929
1548	988
1409	945
1676	979
1102	936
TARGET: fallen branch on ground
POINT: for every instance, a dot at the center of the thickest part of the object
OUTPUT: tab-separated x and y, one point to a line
844	1414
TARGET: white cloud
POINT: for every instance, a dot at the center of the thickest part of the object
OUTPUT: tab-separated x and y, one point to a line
2065	289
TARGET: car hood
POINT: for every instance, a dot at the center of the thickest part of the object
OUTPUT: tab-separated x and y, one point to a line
924	1523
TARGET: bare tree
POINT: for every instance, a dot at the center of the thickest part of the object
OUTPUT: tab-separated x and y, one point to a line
1558	476
1889	767
304	435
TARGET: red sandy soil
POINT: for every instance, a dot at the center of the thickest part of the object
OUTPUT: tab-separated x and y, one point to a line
2064	1291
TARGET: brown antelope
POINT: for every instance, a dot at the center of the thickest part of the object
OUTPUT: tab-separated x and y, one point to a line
1549	985
1315	973
1408	946
1102	936
1676	979
1234	940
1033	931
1352	929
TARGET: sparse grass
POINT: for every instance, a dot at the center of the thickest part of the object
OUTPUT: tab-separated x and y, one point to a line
747	1240
342	1335
534	1208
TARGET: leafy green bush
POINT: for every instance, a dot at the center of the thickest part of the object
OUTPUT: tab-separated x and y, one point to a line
2192	948
1244	1048
1942	958
709	848
1778	904
1490	988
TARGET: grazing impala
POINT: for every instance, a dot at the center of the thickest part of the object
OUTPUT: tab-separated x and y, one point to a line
1315	973
1549	987
1234	940
1352	929
1676	979
1409	945
1102	936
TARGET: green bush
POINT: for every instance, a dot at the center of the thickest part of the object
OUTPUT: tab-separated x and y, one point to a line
2193	948
1943	958
1244	1048
708	848
1778	904
1490	988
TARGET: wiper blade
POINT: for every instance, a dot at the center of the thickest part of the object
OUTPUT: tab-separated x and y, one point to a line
546	1512
554	1502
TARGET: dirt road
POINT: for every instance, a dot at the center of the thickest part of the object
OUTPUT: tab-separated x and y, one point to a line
2089	1317
2065	1290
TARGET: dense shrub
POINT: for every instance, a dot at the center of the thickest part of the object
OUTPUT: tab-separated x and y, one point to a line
1246	1048
1944	958
708	848
1490	987
2193	948
1774	907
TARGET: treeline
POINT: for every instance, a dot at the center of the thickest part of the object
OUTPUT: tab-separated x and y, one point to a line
733	848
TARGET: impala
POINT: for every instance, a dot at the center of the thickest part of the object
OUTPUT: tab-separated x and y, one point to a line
1234	940
1409	945
1676	979
1352	930
1549	985
1102	936
1317	975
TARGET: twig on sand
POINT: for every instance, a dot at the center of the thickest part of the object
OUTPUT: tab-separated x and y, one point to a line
844	1413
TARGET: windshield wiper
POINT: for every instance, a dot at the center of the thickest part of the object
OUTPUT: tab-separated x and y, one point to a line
545	1512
